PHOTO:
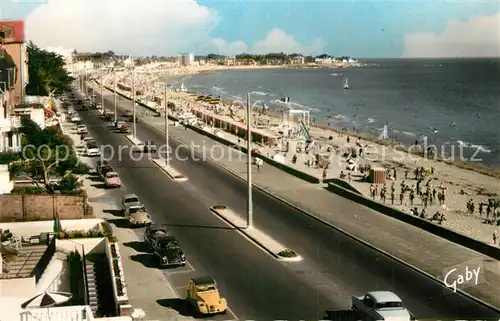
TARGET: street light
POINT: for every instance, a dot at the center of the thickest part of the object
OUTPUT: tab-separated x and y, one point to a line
133	101
102	94
249	109
114	94
165	104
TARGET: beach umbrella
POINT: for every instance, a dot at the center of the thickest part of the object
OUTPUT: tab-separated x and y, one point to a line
47	300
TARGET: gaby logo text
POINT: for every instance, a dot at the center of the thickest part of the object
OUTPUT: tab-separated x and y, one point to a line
455	277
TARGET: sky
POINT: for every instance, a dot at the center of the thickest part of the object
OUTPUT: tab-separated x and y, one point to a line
363	29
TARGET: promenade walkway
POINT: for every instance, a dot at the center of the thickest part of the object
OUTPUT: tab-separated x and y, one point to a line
412	245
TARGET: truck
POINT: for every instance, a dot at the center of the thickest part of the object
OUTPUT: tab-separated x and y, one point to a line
381	305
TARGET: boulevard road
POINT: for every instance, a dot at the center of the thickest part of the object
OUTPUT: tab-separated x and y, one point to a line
255	284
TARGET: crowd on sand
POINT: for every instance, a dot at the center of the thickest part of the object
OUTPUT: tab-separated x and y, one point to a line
458	198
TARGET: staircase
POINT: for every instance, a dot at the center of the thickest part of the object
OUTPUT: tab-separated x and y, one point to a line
100	288
91	286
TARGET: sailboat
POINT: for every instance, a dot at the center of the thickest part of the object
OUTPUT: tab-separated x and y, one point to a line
183	88
346	84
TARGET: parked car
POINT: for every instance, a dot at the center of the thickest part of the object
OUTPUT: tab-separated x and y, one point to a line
203	295
150	147
119	124
112	180
75	118
381	305
125	129
81	129
168	251
100	164
92	149
105	170
87	139
152	232
138	217
127	113
129	201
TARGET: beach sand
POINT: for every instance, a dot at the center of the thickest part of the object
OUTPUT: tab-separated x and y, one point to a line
460	181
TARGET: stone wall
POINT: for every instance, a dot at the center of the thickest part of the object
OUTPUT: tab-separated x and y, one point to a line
42	207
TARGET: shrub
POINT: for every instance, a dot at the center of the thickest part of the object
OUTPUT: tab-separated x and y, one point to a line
108	231
287	253
116	269
29	190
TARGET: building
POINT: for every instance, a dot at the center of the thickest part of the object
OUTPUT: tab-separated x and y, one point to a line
9	139
299	60
12	37
186	59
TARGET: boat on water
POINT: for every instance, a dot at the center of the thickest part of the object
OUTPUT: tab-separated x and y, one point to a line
346	84
284	100
182	88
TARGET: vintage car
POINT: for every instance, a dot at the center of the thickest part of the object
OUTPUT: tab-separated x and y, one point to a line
104	170
149	147
81	129
138	217
130	201
381	305
168	251
203	295
92	149
152	232
127	113
112	180
125	129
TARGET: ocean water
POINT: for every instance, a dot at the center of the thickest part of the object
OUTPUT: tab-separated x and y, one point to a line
451	102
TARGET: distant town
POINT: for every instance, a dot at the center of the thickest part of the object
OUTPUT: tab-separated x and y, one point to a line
188	59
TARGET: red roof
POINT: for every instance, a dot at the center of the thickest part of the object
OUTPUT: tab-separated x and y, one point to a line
13	29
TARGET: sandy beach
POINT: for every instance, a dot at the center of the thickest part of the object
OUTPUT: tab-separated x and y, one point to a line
350	154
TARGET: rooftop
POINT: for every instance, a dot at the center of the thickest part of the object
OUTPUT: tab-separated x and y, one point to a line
21	263
203	280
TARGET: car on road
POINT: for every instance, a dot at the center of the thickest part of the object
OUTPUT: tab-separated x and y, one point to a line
150	147
152	232
381	305
119	124
87	139
103	170
127	113
81	129
112	180
203	295
125	129
130	201
92	149
100	164
75	118
168	251
138	217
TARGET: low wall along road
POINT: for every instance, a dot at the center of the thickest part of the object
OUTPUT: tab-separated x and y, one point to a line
42	207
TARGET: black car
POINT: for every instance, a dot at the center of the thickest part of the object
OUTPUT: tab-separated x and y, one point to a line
152	232
168	251
150	147
104	170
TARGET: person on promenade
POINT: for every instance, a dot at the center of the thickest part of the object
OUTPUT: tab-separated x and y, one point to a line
412	196
495	237
401	197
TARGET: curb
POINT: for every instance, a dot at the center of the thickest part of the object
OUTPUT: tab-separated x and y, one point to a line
254	240
173	177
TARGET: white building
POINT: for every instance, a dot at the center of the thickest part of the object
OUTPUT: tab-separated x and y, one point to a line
9	139
186	59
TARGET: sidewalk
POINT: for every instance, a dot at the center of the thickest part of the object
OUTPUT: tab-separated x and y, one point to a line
412	245
145	286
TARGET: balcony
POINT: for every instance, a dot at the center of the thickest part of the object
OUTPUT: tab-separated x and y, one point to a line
8	124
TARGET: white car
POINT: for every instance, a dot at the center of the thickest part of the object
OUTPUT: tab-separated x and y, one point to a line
75	118
91	149
381	305
81	129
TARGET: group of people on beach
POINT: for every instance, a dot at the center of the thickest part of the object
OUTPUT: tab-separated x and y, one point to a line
491	209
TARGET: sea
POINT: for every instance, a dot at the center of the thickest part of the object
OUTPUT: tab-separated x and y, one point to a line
453	103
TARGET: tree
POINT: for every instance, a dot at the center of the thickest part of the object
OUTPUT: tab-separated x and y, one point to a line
46	151
46	72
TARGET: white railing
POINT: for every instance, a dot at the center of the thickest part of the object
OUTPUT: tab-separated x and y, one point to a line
72	313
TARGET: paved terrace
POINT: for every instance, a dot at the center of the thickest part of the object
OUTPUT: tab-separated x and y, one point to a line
412	245
23	264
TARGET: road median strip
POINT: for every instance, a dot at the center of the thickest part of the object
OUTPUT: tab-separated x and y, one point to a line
169	170
276	249
134	140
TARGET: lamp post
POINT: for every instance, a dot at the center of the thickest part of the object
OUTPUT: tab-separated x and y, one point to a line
114	94
133	102
167	159
249	160
102	94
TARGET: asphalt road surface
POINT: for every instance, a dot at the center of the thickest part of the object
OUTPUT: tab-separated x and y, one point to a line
256	285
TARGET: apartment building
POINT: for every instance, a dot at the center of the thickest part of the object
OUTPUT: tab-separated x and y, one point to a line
13	80
186	59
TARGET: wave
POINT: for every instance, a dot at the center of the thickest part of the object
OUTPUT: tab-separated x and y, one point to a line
370	120
404	133
474	146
